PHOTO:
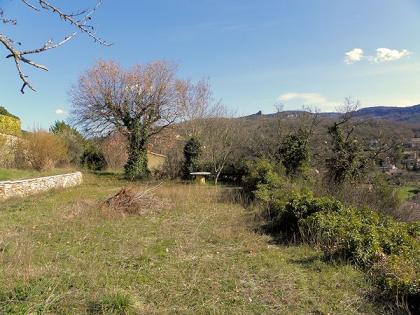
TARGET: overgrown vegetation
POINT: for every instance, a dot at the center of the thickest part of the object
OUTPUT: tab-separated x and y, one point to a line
346	161
294	153
73	140
5	112
139	103
92	158
314	184
60	253
387	250
41	151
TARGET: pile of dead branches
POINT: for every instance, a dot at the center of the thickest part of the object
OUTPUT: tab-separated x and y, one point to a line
133	201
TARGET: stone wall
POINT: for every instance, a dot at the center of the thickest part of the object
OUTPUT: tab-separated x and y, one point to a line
21	188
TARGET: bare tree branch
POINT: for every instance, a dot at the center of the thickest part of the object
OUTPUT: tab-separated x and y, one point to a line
78	20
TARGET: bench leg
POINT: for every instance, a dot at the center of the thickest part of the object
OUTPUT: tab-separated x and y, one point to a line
200	180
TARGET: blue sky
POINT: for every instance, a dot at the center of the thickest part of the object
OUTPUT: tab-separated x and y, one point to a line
255	53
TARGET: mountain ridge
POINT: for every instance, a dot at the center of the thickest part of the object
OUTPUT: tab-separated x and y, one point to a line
394	113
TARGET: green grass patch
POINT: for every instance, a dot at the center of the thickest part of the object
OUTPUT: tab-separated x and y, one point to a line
60	254
18	174
407	192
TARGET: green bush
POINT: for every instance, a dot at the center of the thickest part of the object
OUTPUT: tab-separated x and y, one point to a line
264	185
294	153
388	250
260	175
399	275
72	138
192	152
5	112
93	159
234	172
360	235
289	216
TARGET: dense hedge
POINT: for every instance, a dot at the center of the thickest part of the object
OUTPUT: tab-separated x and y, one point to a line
93	159
388	250
10	125
5	112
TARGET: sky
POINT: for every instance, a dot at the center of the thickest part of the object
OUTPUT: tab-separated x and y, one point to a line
255	53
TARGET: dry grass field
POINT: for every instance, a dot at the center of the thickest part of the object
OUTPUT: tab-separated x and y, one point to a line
64	253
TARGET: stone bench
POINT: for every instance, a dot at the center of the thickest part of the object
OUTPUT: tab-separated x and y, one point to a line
200	177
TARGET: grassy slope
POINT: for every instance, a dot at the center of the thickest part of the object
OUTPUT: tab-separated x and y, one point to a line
58	254
16	174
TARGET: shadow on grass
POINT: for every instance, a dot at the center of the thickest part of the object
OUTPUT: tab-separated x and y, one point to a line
414	191
107	174
278	235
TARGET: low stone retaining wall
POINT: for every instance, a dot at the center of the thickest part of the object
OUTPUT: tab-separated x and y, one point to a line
26	187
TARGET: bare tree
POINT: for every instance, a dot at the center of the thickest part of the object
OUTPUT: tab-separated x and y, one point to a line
114	148
139	103
79	20
196	103
220	140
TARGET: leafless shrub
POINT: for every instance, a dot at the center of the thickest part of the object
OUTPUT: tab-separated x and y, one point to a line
409	210
232	195
377	195
6	152
173	164
114	149
40	150
196	104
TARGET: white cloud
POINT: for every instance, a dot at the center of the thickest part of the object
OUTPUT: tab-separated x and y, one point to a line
353	56
60	111
387	55
382	55
309	99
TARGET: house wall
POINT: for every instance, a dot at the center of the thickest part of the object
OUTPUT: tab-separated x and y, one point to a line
21	188
155	161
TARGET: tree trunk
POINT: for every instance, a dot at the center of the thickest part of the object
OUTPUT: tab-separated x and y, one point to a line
216	180
136	167
219	171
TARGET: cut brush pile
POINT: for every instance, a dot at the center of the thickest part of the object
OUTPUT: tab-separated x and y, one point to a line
132	201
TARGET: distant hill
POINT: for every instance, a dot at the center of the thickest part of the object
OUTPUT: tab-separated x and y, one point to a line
399	114
404	114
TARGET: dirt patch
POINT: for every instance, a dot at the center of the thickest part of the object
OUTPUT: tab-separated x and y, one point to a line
410	210
133	201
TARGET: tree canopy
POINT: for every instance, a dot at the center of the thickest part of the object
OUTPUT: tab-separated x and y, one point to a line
138	102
